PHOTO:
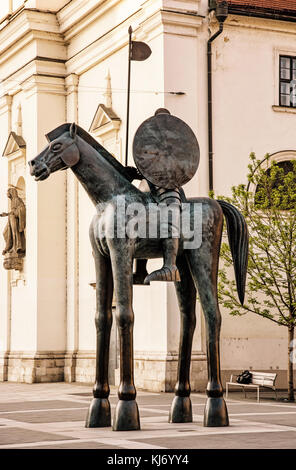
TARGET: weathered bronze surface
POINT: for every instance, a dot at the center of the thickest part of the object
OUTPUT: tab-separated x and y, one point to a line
166	151
14	232
104	179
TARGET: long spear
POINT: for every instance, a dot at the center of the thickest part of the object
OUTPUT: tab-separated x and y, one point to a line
136	51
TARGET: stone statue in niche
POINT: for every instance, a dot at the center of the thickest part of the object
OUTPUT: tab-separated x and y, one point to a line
14	232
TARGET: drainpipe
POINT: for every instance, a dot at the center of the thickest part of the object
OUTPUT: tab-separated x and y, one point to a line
221	12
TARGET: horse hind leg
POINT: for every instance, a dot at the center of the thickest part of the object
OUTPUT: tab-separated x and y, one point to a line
205	278
181	409
99	413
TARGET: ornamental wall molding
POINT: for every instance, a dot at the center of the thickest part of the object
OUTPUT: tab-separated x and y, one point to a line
49	72
28	21
15	147
76	16
104	121
263	24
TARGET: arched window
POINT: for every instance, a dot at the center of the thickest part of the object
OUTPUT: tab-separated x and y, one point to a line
274	187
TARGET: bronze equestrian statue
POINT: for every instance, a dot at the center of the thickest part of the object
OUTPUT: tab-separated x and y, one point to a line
106	180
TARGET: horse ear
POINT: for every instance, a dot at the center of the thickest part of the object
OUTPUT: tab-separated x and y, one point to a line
73	130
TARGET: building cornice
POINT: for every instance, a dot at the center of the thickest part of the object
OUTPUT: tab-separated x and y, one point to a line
28	33
173	22
76	16
48	69
263	24
26	53
26	22
46	27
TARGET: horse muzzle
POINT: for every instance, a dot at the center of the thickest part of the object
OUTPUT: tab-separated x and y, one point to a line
39	170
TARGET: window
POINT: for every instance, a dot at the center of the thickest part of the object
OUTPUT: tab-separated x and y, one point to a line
274	187
288	81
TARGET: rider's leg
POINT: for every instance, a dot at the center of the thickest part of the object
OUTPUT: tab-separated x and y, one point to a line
170	245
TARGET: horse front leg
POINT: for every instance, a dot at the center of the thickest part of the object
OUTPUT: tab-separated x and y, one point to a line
99	414
181	410
126	417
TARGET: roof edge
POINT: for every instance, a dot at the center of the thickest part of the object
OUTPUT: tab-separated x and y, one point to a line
260	12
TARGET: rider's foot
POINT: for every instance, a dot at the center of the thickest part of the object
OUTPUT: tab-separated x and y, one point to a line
166	273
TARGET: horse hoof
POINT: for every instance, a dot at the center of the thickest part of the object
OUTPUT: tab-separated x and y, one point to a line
181	410
216	414
99	414
126	417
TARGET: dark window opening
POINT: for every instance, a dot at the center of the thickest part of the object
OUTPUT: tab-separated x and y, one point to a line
288	81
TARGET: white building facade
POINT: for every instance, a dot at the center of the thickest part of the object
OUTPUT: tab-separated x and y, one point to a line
66	61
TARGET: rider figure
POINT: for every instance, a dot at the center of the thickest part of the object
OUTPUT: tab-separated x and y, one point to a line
170	241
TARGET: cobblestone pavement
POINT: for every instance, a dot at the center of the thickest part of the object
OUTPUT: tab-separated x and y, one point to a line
51	416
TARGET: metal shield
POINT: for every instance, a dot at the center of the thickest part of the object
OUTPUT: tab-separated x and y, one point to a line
166	151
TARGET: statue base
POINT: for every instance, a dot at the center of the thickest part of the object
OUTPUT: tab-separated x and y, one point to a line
13	261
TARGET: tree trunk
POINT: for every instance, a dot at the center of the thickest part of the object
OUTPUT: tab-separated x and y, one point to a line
291	396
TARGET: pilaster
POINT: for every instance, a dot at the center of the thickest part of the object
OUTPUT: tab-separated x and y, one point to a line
72	245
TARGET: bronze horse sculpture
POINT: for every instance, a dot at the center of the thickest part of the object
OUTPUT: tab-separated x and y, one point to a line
104	179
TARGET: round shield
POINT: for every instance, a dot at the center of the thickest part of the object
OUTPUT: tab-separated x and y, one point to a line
166	151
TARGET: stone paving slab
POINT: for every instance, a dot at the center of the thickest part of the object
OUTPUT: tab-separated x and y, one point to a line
49	416
35	405
20	436
276	418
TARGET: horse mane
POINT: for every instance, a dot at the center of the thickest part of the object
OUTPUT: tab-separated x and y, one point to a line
58	131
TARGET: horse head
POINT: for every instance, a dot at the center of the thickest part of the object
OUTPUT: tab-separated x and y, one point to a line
60	154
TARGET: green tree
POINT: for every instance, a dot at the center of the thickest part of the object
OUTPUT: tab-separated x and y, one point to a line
268	202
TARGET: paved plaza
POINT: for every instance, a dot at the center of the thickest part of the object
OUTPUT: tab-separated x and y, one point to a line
51	416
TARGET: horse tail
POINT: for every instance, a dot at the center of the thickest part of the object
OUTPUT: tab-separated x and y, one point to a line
238	237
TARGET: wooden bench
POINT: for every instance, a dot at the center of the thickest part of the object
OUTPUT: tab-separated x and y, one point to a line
259	379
